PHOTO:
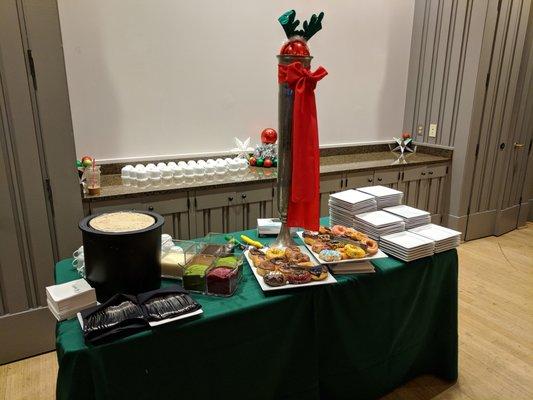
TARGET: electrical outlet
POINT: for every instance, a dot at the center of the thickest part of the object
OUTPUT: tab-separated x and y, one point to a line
420	130
432	130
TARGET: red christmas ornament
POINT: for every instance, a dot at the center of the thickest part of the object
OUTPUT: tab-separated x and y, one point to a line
269	136
295	47
252	161
267	163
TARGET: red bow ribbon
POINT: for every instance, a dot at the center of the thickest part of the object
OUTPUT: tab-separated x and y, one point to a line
303	210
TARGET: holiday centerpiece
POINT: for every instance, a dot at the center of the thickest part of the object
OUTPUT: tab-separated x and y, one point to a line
298	152
266	154
404	143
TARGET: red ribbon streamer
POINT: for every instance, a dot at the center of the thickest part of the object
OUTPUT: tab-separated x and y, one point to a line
303	210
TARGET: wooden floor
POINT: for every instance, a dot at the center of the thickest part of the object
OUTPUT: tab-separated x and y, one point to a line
495	331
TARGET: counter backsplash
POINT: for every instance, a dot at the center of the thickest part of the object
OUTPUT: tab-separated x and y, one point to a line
114	168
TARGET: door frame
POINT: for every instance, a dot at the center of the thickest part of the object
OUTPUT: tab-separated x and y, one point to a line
484	222
42	203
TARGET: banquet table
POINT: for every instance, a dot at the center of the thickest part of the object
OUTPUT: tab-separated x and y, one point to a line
356	339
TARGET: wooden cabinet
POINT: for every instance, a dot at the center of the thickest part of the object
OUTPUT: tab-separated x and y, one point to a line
329	184
175	210
231	209
387	177
173	207
425	187
356	180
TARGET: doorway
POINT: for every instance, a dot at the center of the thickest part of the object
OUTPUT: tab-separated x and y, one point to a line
505	125
40	202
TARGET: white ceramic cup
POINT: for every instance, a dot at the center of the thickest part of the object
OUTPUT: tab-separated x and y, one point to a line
78	252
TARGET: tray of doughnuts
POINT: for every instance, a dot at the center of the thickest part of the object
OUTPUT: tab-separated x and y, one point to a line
286	268
340	244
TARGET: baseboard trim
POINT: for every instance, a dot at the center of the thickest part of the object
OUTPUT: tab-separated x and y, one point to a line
28	333
458	223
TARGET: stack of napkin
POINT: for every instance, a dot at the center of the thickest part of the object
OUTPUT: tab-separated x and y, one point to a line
67	299
444	238
343	206
385	196
407	246
412	217
378	223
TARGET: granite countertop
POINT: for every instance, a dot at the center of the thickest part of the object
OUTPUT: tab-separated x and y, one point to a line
113	188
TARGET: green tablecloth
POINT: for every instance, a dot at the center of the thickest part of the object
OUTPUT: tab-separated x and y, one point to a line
359	339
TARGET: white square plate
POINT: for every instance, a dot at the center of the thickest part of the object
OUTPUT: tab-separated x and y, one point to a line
328	281
379	254
435	232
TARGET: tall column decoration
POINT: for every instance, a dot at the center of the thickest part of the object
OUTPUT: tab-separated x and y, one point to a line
298	152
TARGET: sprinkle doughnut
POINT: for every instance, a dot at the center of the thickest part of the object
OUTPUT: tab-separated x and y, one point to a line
330	255
338	230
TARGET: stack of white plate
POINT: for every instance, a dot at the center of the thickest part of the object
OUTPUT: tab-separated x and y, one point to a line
385	197
407	246
444	238
343	206
378	223
412	217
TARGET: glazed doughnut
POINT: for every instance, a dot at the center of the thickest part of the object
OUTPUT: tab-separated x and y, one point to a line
344	256
354	251
350	232
256	260
305	264
336	244
324	230
265	267
256	256
318	246
284	269
371	246
338	230
299	257
275	252
309	240
292	251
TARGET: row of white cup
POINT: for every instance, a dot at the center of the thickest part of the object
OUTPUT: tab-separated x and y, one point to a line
182	169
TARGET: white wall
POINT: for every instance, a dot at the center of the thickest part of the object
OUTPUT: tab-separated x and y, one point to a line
166	77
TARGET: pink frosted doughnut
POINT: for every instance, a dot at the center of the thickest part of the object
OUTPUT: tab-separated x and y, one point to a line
338	230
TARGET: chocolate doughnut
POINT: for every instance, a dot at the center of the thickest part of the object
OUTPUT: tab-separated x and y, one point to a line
275	278
298	276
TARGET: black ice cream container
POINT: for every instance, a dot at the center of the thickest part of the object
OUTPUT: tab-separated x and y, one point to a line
122	262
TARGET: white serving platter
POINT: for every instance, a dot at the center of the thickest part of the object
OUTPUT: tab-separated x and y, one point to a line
379	254
328	281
